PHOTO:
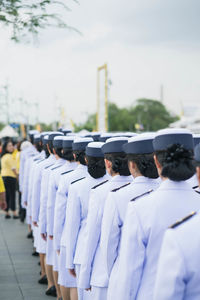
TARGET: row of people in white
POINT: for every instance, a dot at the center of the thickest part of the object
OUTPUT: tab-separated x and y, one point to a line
107	229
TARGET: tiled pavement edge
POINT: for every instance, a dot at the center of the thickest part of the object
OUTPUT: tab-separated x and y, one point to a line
19	270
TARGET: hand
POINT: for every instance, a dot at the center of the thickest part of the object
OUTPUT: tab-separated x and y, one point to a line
35	224
51	237
44	236
3	205
72	272
58	252
89	289
25	203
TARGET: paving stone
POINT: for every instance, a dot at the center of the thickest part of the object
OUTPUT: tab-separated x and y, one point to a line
19	270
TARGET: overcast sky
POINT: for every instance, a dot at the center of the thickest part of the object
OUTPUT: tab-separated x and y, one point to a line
146	43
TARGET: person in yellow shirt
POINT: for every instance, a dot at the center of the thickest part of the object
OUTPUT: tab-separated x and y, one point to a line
9	174
3	204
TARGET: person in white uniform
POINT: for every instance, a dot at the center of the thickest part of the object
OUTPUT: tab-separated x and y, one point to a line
139	150
40	166
148	217
92	265
178	274
61	147
77	209
51	290
65	279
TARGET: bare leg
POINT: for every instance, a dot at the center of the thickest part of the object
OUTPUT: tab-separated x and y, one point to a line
49	272
42	264
55	276
65	293
73	294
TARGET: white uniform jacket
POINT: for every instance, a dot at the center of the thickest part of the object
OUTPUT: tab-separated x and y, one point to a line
113	220
37	186
98	197
146	221
77	209
54	179
178	273
61	203
44	195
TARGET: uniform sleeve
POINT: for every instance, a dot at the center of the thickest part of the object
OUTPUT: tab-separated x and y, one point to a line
36	195
131	258
73	223
43	202
25	182
170	283
60	211
50	203
110	233
2	187
92	236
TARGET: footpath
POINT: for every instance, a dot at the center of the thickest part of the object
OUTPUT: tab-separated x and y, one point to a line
19	270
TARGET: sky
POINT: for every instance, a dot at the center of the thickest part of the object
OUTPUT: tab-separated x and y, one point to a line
146	44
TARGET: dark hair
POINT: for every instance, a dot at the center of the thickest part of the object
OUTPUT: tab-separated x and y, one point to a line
47	154
80	156
50	144
145	164
4	150
38	146
68	154
58	151
119	163
96	166
177	162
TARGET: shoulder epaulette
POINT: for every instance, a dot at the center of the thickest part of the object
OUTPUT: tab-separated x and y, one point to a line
94	187
36	159
198	192
41	160
183	220
56	167
66	172
121	187
77	180
144	194
195	187
49	166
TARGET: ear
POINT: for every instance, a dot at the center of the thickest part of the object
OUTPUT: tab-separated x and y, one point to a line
108	164
158	165
132	167
86	160
74	155
198	174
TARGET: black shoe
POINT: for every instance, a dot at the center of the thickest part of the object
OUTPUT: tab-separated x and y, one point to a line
29	235
38	263
35	254
7	216
51	291
43	280
15	217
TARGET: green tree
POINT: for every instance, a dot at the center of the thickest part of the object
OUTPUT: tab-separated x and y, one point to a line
25	17
89	125
152	114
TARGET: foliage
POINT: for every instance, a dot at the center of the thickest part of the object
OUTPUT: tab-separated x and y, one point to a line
145	115
29	16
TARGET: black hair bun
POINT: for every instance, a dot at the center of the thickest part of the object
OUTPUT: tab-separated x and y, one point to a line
176	153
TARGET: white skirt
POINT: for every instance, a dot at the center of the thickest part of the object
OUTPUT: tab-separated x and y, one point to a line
64	277
41	244
99	293
49	252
